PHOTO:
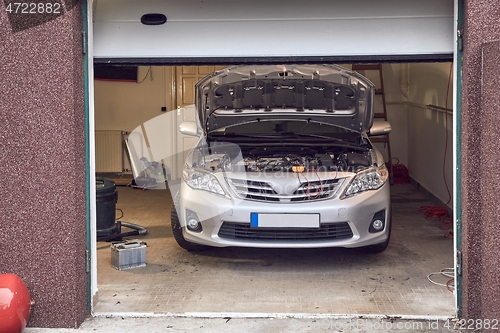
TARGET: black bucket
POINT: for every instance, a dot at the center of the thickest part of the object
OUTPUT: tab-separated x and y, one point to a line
106	198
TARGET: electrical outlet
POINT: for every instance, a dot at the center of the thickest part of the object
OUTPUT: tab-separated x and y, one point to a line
163	109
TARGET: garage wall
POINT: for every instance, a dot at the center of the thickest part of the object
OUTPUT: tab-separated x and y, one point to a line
427	128
126	105
42	157
488	145
397	111
415	99
479	159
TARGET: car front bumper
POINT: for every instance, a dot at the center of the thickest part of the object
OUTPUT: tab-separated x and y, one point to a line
213	210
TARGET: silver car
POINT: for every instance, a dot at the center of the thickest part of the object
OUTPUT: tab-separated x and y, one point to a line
284	160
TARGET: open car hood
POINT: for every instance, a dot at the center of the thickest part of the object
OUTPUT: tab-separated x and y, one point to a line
326	94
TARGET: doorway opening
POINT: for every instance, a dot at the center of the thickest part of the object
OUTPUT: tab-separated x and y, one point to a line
257	282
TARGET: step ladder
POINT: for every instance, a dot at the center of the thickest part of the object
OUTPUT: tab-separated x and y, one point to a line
371	70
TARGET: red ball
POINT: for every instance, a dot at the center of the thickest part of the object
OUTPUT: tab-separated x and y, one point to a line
15	304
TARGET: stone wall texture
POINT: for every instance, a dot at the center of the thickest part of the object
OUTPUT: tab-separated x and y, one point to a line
480	156
42	159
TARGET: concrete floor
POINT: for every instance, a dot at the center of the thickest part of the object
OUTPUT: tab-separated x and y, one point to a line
249	283
257	325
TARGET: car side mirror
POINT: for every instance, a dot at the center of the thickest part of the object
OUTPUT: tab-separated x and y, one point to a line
189	128
380	127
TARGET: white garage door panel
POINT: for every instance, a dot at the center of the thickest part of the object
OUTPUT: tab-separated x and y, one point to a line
268	28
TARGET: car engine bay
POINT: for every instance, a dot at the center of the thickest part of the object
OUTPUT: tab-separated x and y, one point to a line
282	159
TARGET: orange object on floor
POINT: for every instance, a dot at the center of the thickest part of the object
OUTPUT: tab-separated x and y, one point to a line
15	304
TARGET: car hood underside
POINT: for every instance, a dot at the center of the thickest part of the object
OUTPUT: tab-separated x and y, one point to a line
326	94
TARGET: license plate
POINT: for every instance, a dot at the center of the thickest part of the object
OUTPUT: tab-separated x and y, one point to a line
258	220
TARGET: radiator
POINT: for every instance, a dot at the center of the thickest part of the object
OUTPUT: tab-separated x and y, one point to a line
109	151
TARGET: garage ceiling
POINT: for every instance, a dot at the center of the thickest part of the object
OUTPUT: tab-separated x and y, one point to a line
263	30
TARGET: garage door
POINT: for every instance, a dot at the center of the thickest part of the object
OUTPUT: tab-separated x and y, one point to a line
271	30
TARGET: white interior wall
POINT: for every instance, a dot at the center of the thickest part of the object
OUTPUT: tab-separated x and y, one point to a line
396	111
396	107
427	128
126	105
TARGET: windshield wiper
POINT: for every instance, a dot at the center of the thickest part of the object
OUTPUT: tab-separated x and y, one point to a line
235	135
336	141
311	135
274	135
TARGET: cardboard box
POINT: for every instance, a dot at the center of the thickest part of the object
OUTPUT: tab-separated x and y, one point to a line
128	254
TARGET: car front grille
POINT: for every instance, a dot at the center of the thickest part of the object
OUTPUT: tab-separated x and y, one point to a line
251	189
316	190
327	231
262	191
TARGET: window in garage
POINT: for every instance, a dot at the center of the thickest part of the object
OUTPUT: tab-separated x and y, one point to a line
299	281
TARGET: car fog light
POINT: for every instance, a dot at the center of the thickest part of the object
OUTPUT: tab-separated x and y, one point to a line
193	223
378	222
378	225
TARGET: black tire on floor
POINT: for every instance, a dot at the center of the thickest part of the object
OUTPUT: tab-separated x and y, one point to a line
179	237
377	248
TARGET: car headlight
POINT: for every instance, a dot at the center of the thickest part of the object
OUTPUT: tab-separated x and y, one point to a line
370	179
200	180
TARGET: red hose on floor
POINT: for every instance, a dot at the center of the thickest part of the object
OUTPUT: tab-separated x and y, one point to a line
440	214
400	173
